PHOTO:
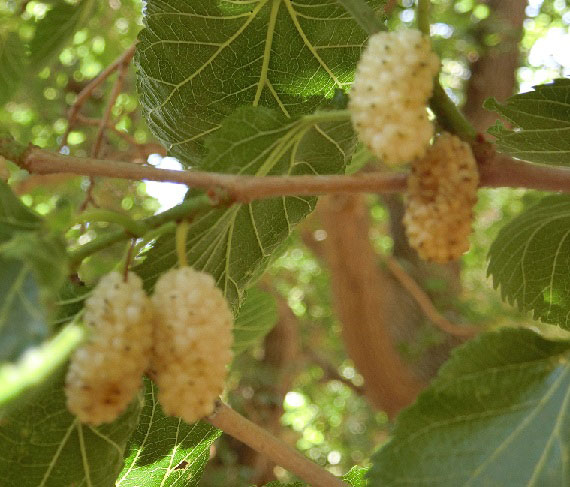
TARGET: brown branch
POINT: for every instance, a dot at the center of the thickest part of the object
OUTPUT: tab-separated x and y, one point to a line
425	304
234	424
496	170
86	92
241	188
503	171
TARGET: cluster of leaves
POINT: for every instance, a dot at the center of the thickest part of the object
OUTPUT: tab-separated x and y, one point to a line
251	73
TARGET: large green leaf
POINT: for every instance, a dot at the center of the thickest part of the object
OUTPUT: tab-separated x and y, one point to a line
498	414
12	64
530	259
56	28
256	317
43	445
542	121
199	60
235	244
165	451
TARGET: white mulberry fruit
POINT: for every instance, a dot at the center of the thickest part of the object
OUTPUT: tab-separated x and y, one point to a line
388	99
106	372
442	190
192	342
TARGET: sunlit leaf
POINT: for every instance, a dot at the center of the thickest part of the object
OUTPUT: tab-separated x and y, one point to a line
235	244
498	414
542	124
354	478
200	60
165	451
530	258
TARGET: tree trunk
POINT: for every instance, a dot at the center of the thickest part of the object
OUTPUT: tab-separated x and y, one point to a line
494	73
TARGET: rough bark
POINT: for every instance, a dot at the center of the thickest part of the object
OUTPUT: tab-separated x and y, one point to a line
366	304
493	73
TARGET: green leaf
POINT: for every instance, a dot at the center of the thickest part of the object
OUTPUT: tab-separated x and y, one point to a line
356	477
257	316
20	381
276	483
497	415
364	15
542	121
235	244
165	451
22	319
45	254
12	64
14	215
56	28
43	445
530	258
200	60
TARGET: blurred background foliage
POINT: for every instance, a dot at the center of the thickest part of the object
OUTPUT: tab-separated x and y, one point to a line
311	394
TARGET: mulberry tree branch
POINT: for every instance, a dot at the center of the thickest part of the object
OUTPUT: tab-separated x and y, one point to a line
496	170
425	303
234	424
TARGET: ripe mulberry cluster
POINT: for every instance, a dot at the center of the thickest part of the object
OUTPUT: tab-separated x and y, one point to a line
442	190
192	342
388	99
106	372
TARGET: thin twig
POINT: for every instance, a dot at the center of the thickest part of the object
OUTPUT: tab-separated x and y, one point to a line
331	373
86	92
110	126
105	119
260	440
425	304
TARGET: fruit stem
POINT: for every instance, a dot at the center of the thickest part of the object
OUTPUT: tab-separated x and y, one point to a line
181	236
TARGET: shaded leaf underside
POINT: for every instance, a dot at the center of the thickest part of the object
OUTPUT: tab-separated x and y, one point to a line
497	415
